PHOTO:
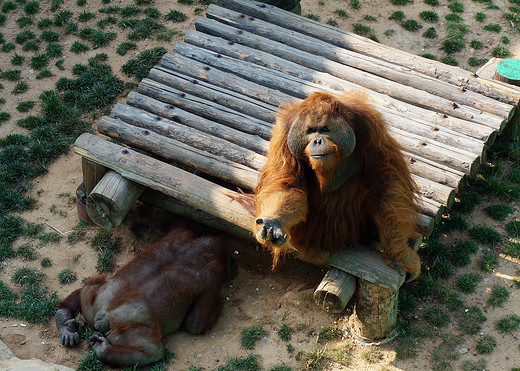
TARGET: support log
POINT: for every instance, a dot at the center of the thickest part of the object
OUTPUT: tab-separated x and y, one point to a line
92	174
375	313
111	199
350	41
335	290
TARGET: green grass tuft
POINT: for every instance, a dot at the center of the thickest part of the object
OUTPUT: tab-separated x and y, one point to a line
513	228
468	282
249	363
106	247
489	261
437	317
484	235
450	299
140	66
327	334
471	320
429	16
499	295
67	276
27	252
175	16
499	212
500	52
285	332
430	33
486	344
411	25
90	362
508	324
398	15
251	335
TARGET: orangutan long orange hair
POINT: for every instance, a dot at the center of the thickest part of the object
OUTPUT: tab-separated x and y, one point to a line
333	176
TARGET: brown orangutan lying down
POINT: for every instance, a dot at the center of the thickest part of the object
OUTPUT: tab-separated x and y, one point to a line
173	284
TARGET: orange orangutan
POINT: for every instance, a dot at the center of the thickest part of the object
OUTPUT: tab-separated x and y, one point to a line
335	177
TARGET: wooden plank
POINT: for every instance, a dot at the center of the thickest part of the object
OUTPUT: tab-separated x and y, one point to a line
350	41
368	264
354	67
435	191
188	135
419	126
166	110
181	153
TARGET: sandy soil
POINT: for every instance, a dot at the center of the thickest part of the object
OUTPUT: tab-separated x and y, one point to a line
257	295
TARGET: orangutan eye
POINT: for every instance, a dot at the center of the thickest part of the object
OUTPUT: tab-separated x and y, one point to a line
311	130
324	130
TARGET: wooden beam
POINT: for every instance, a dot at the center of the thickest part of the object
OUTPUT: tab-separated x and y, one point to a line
350	41
335	290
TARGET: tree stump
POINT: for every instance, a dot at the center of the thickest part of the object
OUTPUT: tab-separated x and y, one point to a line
111	199
335	290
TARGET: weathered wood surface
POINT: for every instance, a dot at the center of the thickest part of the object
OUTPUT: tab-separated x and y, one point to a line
92	174
327	71
335	290
350	41
170	149
111	199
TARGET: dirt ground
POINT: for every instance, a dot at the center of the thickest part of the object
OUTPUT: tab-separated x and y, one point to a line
257	295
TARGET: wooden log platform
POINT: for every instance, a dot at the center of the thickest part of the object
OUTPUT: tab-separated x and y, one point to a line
196	132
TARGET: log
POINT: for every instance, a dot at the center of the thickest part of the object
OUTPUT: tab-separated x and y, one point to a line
463	161
188	135
173	150
166	110
335	290
221	78
418	126
509	71
92	174
230	113
350	41
375	313
310	52
195	69
111	199
438	192
233	62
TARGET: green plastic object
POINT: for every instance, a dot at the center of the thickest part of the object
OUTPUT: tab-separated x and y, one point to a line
510	69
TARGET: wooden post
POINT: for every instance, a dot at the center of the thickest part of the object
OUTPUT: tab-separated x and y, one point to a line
111	199
375	312
335	290
92	174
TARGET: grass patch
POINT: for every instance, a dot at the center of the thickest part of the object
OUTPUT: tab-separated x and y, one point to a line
140	66
479	365
499	212
500	52
484	235
27	252
312	360
411	25
513	228
493	27
468	201
486	344
67	276
512	249
342	355
39	61
437	317
125	46
20	88
107	248
508	324
499	296
285	332
429	16
430	33
398	15
175	16
251	335
456	7
249	363
46	262
471	320
90	362
489	261
95	88
327	334
468	282
78	47
450	299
